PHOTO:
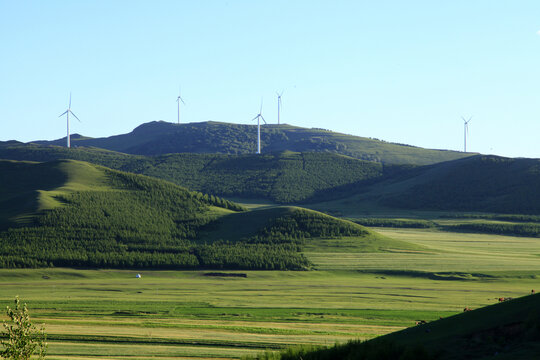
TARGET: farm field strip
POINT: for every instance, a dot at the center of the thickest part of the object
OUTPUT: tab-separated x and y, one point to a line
223	336
86	351
282	328
417	262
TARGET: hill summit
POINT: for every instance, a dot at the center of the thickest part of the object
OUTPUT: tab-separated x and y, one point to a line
158	137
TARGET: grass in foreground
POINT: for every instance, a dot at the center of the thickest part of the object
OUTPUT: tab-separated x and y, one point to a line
175	314
167	314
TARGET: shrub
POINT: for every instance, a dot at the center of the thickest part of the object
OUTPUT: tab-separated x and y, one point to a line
23	338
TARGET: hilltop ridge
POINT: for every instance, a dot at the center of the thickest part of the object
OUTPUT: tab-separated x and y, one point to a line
158	137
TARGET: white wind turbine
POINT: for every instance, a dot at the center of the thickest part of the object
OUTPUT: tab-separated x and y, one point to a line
258	118
178	99
465	132
279	105
67	112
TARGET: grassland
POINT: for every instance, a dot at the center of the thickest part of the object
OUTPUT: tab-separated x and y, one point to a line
110	314
443	252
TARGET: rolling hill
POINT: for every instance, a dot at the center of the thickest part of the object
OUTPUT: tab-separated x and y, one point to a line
326	181
76	214
157	138
478	183
284	177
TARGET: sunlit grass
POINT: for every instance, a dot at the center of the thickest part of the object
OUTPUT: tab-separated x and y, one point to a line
355	295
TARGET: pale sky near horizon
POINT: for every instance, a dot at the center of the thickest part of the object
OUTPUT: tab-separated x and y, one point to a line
400	71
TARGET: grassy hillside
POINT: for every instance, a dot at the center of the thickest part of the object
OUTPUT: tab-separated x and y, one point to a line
284	177
478	183
509	330
72	213
157	138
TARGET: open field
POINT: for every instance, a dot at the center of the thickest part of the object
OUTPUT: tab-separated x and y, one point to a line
109	314
444	252
171	314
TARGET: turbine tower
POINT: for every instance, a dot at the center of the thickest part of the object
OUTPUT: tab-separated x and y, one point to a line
178	99
465	132
67	112
258	118
279	105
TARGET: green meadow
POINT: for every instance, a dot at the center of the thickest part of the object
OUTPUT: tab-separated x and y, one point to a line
357	292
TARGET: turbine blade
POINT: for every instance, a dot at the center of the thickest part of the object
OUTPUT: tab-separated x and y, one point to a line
255	118
182	100
74	115
64	113
260	111
69	107
262	117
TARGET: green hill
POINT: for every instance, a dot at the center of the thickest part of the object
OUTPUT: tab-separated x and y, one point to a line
284	177
156	138
72	213
509	330
478	183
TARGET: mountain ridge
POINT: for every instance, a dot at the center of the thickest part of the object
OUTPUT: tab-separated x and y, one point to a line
158	138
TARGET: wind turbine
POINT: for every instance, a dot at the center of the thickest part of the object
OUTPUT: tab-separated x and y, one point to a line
258	118
278	105
178	99
67	112
465	132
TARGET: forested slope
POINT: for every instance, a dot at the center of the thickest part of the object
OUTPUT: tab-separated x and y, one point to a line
82	215
285	177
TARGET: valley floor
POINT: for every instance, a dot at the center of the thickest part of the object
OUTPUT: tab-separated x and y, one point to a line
110	314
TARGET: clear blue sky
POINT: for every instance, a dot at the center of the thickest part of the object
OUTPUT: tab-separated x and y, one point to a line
401	71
